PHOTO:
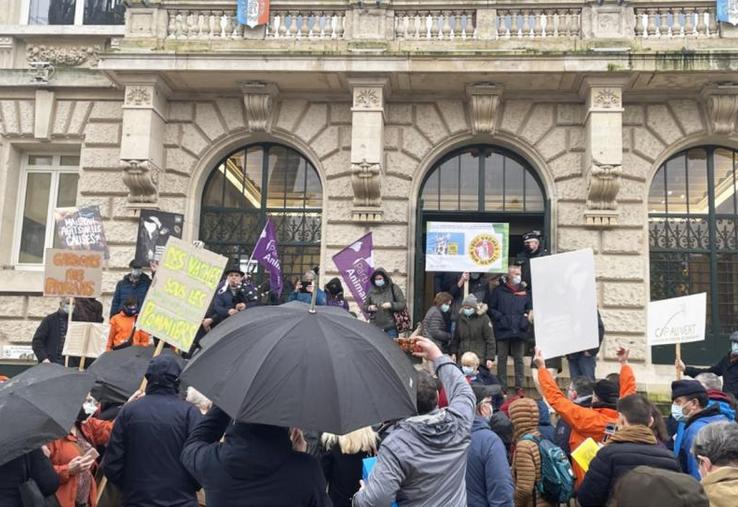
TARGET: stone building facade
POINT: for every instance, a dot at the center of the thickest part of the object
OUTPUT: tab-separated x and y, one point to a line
585	101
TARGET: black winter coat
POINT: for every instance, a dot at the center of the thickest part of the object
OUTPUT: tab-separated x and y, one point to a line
725	368
125	288
48	340
16	472
254	467
524	258
225	301
342	473
142	457
507	309
615	460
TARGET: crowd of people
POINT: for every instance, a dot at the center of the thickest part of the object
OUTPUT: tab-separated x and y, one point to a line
476	439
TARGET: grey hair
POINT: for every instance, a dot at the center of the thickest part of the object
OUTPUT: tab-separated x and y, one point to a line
710	380
718	442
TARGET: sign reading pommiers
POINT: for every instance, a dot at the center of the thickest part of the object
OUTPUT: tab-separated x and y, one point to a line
73	273
677	320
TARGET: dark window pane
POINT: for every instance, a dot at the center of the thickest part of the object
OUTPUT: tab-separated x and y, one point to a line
104	12
286	178
449	174
66	196
514	177
313	188
493	182
253	174
469	179
676	185
533	194
213	193
698	191
724	182
35	214
430	191
657	194
51	12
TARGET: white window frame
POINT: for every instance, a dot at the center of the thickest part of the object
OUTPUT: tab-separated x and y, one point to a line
55	169
79	14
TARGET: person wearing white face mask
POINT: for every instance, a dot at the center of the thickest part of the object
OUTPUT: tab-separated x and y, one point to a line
727	368
716	449
48	340
434	324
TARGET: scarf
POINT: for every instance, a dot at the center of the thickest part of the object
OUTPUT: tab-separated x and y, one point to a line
636	434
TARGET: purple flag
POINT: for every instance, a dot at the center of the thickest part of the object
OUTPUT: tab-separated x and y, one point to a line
356	264
265	252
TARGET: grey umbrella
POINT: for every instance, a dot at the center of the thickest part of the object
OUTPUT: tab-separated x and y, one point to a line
286	366
38	406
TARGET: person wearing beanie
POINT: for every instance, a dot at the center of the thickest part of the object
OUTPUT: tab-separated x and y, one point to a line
591	421
727	368
334	294
473	332
692	410
646	486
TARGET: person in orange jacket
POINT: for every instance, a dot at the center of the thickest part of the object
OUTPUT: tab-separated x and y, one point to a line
587	422
121	327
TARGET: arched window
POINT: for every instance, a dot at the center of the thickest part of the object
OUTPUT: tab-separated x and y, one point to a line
256	182
693	240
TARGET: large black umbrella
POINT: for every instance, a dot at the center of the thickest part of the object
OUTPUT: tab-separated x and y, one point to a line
38	406
323	371
118	373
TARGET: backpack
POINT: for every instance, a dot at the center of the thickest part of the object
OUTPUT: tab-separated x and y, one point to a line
557	477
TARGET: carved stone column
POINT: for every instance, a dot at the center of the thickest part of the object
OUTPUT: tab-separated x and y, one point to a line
721	107
604	148
483	101
367	147
258	99
142	147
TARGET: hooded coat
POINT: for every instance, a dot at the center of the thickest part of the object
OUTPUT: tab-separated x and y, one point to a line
687	433
254	466
127	288
526	462
545	428
488	479
507	307
474	334
142	458
721	487
423	460
334	294
389	293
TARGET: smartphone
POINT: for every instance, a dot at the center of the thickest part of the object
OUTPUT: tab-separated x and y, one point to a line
91	453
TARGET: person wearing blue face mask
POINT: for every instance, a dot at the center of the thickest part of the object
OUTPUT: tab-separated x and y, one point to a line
727	368
434	323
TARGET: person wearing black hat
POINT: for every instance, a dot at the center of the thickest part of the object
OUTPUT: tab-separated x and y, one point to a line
135	284
143	456
228	300
727	368
692	410
533	249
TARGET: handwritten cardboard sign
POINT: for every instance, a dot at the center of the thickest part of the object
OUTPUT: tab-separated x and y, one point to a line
181	292
80	229
73	273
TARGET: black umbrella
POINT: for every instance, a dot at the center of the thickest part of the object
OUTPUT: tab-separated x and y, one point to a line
118	373
323	371
38	406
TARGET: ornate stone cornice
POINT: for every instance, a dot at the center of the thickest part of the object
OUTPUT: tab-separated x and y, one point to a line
484	98
60	56
258	99
142	179
139	96
366	183
721	106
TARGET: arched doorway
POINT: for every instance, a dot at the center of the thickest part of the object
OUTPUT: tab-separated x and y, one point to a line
479	183
259	181
693	242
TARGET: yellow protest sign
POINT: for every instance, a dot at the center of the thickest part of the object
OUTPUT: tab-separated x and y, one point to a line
585	453
72	273
180	293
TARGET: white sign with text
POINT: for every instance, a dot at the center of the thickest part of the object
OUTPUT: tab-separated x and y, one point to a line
677	320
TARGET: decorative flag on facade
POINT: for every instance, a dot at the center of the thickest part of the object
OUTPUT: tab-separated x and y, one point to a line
356	264
727	11
253	13
265	252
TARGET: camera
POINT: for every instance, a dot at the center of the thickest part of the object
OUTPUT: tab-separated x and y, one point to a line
304	284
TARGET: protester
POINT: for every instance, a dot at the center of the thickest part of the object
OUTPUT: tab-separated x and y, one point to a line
716	449
714	386
228	300
648	487
342	462
123	332
33	465
526	462
422	460
579	392
334	293
87	310
473	332
383	301
142	458
583	364
658	426
255	465
545	428
48	340
475	374
304	291
434	324
727	367
532	250
692	410
509	304
72	461
488	479
588	422
453	283
133	285
633	444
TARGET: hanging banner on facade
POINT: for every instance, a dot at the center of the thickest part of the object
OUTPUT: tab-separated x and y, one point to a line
566	303
265	252
727	11
80	229
72	273
180	293
253	13
154	229
356	264
466	247
677	320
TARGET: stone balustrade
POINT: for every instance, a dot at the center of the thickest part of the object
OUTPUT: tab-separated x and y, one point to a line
306	24
203	24
538	23
696	20
428	25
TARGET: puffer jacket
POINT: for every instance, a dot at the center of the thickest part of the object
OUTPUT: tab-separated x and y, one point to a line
474	334
434	327
508	308
389	293
488	479
721	487
526	462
